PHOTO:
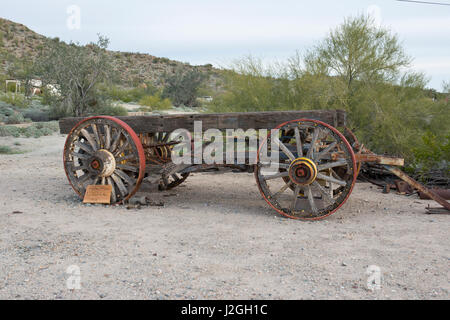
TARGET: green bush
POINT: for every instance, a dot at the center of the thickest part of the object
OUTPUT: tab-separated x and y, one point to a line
6	109
154	102
35	130
112	110
15	118
127	95
15	99
9	131
8	150
37	115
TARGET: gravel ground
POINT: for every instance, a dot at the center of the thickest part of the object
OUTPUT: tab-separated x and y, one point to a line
215	238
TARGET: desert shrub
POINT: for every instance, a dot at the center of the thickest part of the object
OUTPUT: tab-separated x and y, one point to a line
154	102
127	95
432	153
9	131
15	118
35	130
37	115
112	110
6	150
6	109
15	99
182	87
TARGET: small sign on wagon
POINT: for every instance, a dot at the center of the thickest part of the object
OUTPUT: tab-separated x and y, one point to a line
98	194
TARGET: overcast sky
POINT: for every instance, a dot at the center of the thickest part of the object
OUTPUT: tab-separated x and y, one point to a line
209	31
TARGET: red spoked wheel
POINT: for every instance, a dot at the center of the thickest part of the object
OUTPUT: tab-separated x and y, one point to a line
309	169
104	150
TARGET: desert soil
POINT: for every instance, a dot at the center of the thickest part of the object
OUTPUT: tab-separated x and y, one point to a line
215	238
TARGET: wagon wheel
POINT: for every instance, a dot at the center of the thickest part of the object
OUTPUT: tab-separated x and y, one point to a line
169	179
174	179
307	175
158	151
104	151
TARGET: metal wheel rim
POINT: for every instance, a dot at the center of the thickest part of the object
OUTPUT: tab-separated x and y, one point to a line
126	148
337	200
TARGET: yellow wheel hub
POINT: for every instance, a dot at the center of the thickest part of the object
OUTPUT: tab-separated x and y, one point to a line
302	171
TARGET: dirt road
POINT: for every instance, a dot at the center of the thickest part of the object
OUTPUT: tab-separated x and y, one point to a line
215	238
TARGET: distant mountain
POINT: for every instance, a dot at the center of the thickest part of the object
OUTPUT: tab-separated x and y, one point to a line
133	68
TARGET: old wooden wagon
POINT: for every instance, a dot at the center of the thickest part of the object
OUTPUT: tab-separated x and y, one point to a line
305	168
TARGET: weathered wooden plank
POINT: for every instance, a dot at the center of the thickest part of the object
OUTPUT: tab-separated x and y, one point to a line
235	120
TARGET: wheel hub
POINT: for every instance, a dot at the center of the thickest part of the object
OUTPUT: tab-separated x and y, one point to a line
303	171
103	163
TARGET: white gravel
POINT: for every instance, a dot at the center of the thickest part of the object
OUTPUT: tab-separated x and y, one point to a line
215	238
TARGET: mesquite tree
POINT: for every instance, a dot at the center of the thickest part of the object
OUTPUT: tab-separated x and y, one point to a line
182	87
70	73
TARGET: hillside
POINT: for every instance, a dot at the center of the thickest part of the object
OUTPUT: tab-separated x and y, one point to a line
17	40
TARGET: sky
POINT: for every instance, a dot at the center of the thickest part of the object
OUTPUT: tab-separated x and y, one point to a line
218	32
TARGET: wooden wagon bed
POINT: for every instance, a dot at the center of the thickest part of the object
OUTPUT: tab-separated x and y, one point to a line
234	120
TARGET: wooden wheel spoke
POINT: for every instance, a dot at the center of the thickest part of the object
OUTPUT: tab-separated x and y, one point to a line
283	147
129	180
96	135
127	167
115	141
107	136
80	155
325	151
274	164
126	157
330	165
310	153
311	201
85	177
276	176
121	148
331	179
113	191
76	168
122	189
90	139
298	142
96	179
84	147
294	202
283	189
323	192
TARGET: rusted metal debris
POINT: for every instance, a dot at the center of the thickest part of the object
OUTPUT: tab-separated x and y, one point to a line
444	193
406	186
403	187
418	186
439	210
